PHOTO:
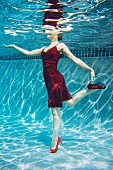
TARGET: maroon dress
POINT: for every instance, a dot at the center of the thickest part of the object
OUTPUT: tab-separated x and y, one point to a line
54	80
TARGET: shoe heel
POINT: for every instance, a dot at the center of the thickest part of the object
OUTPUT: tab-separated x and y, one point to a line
59	140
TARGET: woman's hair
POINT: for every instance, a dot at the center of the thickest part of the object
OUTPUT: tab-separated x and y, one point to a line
60	36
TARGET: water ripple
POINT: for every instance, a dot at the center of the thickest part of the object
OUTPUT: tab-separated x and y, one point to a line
26	122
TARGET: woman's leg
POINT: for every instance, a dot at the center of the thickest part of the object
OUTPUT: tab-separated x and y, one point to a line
56	125
78	96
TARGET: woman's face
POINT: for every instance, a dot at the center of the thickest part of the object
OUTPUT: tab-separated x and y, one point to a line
50	36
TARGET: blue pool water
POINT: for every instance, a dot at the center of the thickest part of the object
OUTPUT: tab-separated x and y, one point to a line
26	122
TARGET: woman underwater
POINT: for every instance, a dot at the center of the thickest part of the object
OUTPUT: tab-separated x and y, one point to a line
54	80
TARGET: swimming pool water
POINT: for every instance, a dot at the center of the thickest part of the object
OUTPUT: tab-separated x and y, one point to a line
26	122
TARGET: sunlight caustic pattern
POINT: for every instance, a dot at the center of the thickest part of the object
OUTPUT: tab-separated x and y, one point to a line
26	122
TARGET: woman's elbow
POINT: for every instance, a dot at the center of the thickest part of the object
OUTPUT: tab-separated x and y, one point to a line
29	53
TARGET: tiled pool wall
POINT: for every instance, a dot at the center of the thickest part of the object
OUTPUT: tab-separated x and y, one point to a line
106	51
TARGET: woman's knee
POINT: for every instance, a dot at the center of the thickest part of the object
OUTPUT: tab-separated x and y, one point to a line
70	102
56	112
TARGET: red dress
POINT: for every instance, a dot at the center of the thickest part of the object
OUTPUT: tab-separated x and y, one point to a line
54	80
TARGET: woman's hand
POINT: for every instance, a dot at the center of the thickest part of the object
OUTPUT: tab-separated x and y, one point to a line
9	46
92	75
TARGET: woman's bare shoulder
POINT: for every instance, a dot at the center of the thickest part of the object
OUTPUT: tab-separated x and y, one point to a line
62	46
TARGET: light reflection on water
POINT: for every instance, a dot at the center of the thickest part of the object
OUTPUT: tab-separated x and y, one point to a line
26	122
26	16
84	23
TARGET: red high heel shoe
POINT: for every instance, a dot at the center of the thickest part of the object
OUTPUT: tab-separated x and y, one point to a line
98	85
58	142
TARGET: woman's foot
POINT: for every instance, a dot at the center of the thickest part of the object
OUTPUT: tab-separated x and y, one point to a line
55	150
98	85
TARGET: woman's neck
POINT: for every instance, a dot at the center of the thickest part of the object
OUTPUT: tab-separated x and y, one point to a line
53	42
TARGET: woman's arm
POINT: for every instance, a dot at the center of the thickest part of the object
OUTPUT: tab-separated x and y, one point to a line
78	61
26	52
